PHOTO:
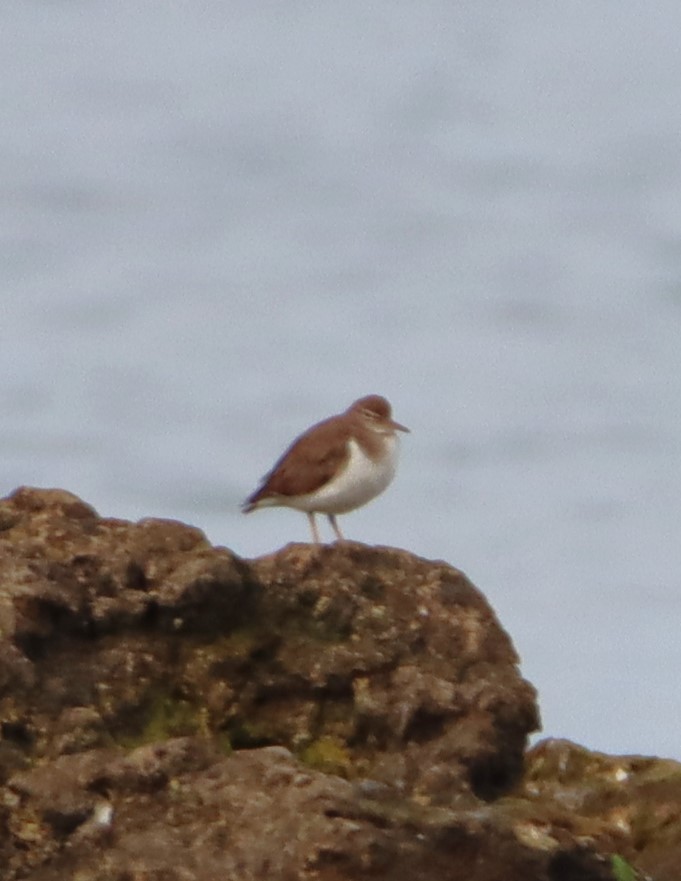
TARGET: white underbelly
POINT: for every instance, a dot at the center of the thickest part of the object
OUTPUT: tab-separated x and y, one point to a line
361	480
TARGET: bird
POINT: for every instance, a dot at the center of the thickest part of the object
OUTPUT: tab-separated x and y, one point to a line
337	465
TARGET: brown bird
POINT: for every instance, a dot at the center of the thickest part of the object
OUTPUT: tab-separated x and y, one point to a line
336	466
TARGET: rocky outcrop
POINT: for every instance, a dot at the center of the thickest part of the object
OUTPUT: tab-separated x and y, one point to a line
171	711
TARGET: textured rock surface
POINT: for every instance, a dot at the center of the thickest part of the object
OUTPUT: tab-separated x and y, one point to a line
629	804
183	811
170	711
363	661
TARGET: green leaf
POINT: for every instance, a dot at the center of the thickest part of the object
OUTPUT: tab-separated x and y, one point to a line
622	870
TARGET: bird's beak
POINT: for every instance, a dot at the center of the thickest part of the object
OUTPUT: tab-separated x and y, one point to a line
398	427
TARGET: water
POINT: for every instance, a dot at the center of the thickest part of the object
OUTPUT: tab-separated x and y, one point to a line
222	222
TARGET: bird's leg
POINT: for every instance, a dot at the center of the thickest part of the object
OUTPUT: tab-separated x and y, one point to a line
335	527
313	527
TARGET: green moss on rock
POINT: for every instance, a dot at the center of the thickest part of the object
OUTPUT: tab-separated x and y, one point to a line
164	716
328	754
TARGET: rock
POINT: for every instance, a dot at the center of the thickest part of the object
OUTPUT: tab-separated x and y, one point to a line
365	661
403	663
182	811
631	804
171	711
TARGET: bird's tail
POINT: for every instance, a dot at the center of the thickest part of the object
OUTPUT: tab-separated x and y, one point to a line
252	502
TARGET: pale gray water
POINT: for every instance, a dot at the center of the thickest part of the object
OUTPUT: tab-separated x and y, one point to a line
220	222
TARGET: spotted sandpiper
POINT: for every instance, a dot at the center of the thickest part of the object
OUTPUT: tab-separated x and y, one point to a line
336	466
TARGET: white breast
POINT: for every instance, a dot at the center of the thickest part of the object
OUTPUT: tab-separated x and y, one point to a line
361	480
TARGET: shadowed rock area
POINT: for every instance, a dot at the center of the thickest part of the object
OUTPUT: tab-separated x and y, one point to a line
169	711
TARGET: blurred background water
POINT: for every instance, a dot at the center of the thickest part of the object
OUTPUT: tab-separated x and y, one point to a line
221	222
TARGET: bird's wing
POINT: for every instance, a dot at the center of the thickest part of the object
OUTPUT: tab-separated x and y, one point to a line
309	463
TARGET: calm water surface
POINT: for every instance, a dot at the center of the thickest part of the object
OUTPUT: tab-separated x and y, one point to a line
222	222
